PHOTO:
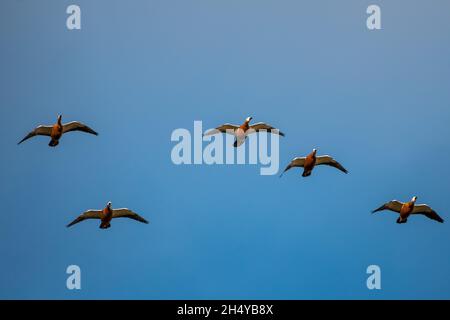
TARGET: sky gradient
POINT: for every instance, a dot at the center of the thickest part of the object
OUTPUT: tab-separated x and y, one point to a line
378	101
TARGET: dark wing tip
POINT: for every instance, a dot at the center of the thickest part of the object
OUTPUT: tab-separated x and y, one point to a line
89	130
140	219
287	168
341	167
74	222
439	219
433	215
274	130
378	209
27	137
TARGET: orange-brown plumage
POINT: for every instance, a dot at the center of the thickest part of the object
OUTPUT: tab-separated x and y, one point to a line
405	209
241	132
310	162
56	131
106	217
106	214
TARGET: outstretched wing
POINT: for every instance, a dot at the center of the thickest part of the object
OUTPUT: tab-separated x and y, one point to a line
225	128
393	205
264	126
427	211
90	214
77	126
39	131
127	213
329	161
296	162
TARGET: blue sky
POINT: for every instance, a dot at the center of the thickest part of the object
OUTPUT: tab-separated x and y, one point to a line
376	100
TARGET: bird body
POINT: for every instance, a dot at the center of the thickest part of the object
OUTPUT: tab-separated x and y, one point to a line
408	208
309	162
245	126
106	215
241	132
56	131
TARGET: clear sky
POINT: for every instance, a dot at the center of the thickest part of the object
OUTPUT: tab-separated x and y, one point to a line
378	101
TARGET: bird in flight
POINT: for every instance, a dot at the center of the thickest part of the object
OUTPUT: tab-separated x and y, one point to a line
310	161
408	208
241	132
57	130
106	215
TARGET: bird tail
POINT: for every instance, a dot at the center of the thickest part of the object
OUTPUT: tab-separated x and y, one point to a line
53	143
238	142
400	220
306	173
105	225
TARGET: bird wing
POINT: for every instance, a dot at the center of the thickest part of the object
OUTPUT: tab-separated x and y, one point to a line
90	214
393	205
38	131
264	126
296	162
225	128
77	126
127	213
329	161
427	211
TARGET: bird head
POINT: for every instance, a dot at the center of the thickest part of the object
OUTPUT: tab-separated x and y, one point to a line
109	204
414	199
59	118
314	151
248	119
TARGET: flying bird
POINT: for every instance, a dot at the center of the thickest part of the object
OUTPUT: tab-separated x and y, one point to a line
241	132
310	161
57	130
106	215
408	208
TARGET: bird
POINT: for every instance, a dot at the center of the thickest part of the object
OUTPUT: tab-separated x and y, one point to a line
106	215
310	161
57	130
241	132
408	208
